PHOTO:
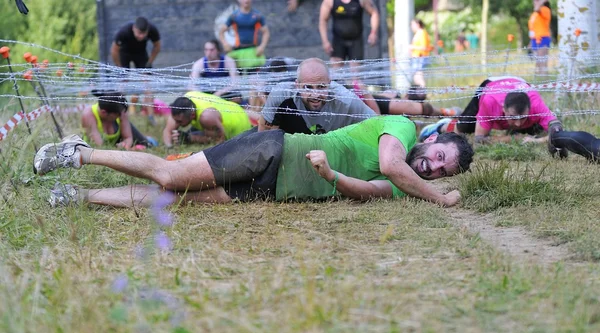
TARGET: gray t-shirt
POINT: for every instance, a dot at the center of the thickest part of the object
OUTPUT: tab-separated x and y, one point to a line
344	108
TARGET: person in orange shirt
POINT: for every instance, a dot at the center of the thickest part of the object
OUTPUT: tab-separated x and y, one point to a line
539	33
419	51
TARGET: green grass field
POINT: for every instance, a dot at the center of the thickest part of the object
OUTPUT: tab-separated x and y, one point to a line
519	254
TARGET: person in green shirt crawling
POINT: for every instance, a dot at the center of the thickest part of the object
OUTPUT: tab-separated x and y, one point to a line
107	122
376	158
212	119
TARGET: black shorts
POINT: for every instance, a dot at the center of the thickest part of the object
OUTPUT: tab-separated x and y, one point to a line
348	49
246	166
140	60
138	137
383	103
468	119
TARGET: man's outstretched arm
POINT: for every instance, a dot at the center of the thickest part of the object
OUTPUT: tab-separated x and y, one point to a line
482	136
324	14
392	164
155	50
114	53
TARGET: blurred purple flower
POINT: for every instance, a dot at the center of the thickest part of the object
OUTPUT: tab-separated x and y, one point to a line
119	284
163	200
162	217
162	241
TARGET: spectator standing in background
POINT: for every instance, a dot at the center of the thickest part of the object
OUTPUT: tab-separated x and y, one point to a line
130	42
539	34
246	23
347	41
419	50
473	40
461	44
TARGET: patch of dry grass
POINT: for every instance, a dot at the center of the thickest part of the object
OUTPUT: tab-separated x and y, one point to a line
383	266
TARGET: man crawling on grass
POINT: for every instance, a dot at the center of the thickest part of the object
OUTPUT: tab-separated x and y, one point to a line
376	158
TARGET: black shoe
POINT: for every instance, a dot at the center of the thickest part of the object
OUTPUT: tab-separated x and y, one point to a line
554	127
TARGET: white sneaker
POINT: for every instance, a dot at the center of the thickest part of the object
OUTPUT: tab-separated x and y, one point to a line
63	195
59	155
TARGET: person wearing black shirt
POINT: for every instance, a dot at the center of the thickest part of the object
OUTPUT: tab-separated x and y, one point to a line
347	43
130	42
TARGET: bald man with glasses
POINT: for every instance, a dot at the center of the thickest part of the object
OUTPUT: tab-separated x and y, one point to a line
313	104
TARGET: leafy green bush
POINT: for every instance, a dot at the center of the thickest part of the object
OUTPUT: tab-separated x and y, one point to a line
63	25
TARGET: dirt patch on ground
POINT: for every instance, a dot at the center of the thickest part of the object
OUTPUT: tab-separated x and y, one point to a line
515	241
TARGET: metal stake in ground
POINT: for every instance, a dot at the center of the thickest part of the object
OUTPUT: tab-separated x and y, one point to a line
33	61
509	38
5	52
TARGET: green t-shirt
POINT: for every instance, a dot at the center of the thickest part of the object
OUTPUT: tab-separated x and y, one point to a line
352	150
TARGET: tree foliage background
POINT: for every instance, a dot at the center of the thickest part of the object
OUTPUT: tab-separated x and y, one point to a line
518	10
64	25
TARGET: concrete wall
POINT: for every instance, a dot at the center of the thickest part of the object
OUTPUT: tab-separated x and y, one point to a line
186	24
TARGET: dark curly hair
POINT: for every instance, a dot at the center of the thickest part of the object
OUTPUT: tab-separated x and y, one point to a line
111	101
465	150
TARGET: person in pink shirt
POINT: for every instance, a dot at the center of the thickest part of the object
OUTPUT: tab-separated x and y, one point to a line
158	108
501	103
150	107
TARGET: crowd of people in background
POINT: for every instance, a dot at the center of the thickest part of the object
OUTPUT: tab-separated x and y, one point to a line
251	37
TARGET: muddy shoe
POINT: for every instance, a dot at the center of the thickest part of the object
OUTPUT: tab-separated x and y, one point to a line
63	195
554	127
59	155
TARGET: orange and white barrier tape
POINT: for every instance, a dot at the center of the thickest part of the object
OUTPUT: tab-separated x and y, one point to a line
562	86
18	117
10	124
580	87
33	115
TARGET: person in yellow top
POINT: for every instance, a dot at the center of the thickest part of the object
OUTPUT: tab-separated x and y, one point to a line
213	119
107	122
539	34
419	51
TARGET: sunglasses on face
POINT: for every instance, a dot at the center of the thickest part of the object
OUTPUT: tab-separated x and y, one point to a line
314	87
